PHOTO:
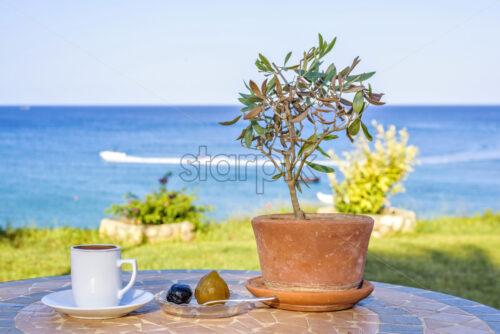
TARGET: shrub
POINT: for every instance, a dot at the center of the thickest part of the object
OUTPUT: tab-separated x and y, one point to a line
161	207
371	176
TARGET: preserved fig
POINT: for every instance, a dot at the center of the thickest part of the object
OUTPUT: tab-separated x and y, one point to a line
179	294
211	287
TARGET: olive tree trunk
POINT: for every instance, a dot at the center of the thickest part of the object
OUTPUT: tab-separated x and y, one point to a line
297	211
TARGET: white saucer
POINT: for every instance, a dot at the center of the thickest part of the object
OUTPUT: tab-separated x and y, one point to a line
62	301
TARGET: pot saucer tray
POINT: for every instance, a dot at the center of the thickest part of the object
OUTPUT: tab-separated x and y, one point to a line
310	301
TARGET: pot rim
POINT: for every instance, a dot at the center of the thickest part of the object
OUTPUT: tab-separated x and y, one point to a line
314	218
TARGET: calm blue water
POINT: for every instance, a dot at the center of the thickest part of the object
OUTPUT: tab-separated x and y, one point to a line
51	172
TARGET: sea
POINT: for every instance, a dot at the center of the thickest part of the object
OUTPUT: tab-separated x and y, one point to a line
52	171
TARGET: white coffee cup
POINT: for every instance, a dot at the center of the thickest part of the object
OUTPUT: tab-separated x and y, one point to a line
96	275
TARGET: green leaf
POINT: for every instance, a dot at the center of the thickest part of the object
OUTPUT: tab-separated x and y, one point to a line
266	62
354	127
307	145
271	84
304	148
330	137
320	168
230	122
248	136
361	77
304	183
330	46
245	101
277	176
260	66
357	103
344	71
313	76
365	131
250	107
320	40
350	79
260	131
320	150
297	185
289	54
305	62
330	72
246	85
366	76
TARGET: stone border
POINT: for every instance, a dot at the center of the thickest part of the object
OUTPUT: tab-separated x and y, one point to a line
130	232
389	221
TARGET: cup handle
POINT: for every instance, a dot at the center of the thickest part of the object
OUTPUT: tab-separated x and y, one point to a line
133	262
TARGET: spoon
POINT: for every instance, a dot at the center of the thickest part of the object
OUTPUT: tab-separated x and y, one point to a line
261	299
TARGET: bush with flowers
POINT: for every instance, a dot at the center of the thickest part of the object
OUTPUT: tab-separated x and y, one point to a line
372	176
161	206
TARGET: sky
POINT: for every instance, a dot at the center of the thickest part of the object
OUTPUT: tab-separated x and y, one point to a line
57	52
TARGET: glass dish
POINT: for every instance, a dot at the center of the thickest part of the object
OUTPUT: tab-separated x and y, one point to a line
237	304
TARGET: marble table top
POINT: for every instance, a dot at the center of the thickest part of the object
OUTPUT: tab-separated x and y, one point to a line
390	309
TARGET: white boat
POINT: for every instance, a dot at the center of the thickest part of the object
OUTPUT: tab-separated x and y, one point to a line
111	156
324	198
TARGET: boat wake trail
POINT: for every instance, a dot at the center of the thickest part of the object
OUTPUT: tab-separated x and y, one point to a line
120	157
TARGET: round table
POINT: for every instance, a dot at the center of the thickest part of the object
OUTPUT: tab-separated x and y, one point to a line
390	309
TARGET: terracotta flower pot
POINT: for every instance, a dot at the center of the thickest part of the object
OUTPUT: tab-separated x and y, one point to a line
322	252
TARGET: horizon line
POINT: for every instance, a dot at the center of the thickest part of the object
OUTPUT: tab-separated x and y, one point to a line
224	105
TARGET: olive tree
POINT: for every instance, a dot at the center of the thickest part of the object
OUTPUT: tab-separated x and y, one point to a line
277	109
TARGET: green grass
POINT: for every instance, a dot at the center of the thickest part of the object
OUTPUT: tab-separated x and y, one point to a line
459	256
